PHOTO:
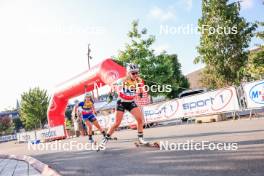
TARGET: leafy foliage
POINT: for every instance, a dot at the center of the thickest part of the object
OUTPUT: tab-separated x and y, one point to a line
17	123
223	52
162	69
255	67
6	125
33	110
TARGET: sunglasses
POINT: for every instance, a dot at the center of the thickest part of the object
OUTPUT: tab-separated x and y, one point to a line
134	73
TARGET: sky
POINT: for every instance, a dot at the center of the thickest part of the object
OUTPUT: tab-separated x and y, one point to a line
44	42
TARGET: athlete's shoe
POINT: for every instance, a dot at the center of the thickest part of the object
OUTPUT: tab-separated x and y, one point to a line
142	141
105	140
103	143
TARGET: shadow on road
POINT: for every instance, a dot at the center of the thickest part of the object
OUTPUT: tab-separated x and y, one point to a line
248	160
159	138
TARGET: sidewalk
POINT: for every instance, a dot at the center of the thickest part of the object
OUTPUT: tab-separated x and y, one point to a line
16	165
13	167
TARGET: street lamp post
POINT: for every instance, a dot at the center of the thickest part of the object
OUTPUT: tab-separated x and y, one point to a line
89	57
89	66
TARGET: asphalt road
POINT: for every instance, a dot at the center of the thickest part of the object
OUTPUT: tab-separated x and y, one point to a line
122	158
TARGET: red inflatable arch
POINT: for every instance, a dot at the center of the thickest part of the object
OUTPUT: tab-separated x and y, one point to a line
104	73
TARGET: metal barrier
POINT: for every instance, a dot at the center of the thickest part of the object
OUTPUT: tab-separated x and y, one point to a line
44	134
7	138
247	99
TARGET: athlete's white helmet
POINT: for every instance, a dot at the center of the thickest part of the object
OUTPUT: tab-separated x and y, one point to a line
132	68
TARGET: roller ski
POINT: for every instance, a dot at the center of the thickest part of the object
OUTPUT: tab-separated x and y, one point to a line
102	144
142	143
113	138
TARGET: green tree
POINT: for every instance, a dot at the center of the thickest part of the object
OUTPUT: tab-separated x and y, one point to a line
166	70
178	81
17	123
255	67
33	108
155	69
6	125
223	51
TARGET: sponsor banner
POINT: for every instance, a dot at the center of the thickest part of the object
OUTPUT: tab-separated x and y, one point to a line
128	119
222	100
214	102
8	138
161	111
254	93
26	136
106	121
51	133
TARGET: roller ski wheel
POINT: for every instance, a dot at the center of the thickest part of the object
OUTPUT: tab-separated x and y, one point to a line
113	138
149	144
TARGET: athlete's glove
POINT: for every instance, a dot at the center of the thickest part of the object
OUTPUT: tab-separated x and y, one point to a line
140	95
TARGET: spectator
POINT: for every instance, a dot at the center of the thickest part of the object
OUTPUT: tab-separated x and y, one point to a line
76	119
